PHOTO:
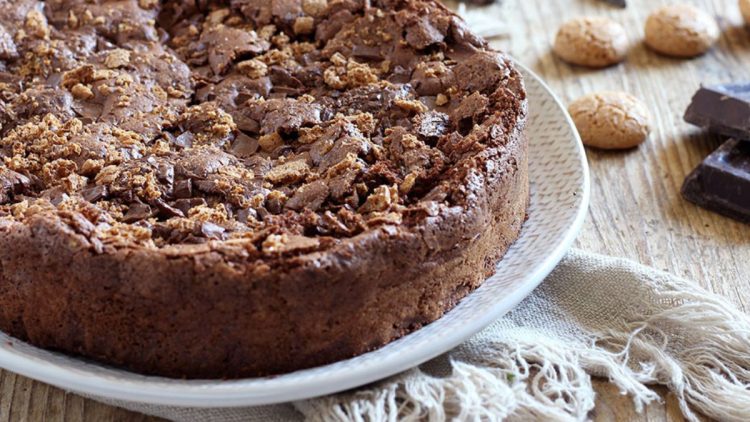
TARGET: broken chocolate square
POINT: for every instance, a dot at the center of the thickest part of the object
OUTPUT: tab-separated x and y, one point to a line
722	109
722	182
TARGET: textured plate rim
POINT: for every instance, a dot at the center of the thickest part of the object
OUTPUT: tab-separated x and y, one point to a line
161	391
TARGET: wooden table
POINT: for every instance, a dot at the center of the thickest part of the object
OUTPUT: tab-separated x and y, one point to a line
636	209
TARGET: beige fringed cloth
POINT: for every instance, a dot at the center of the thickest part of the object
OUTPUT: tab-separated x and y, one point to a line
593	316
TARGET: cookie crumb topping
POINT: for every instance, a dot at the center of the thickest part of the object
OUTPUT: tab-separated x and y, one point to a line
152	124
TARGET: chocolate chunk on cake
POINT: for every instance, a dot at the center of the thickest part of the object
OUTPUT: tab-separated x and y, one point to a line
224	189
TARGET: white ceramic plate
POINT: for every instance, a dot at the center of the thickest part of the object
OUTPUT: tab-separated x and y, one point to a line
559	201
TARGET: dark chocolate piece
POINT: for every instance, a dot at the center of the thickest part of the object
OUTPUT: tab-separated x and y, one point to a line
722	109
722	182
618	3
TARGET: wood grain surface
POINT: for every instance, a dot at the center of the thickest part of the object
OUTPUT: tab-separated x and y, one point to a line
636	209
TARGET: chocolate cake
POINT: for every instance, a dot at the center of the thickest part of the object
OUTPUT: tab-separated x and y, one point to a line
210	189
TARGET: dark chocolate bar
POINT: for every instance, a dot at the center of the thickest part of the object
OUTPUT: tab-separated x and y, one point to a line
722	109
722	182
619	3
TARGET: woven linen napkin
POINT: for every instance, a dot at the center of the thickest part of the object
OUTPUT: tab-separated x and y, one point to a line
593	316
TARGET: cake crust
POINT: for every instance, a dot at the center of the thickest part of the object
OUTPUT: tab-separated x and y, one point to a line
230	189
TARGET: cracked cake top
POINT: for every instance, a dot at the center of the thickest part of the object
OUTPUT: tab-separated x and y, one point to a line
285	126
